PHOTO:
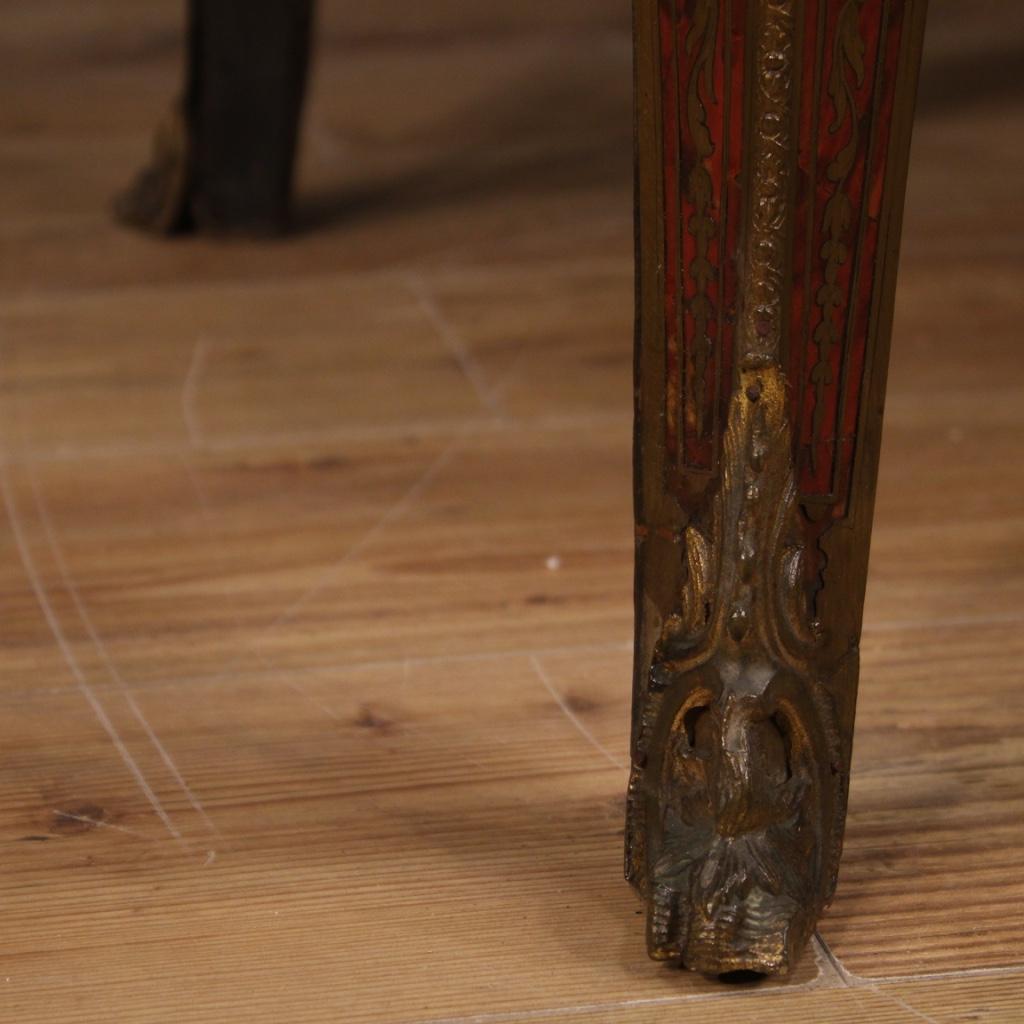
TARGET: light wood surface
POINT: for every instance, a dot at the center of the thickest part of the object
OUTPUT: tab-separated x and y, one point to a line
316	565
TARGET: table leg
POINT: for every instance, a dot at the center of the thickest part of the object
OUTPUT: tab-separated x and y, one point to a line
223	158
772	144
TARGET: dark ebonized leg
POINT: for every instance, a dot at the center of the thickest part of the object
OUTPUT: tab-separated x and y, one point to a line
223	158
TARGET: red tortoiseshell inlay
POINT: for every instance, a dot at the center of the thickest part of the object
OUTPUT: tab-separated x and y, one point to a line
845	116
702	80
844	93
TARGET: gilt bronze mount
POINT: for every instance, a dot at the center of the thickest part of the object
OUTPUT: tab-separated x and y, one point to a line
772	144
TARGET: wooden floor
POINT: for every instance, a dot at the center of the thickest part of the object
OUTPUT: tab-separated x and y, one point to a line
316	564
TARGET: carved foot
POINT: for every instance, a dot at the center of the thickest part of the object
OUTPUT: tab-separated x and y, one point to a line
738	790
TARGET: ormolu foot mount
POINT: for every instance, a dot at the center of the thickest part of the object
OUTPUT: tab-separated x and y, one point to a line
772	141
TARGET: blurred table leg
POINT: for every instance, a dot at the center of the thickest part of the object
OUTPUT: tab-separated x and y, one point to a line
223	158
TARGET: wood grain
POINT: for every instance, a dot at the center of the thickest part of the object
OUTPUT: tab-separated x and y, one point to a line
316	565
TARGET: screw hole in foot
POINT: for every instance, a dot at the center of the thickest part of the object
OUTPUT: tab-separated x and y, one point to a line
741	977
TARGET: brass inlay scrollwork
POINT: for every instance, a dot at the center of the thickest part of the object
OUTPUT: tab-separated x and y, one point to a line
700	48
847	56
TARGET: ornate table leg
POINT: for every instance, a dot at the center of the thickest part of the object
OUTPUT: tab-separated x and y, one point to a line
223	158
772	142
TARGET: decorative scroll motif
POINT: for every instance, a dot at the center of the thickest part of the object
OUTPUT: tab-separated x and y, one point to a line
700	47
847	59
702	84
843	153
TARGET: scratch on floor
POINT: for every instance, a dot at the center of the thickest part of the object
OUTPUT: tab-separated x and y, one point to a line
829	975
857	983
405	725
577	722
101	648
968	972
99	823
899	1001
297	688
165	756
197	487
190	392
455	343
315	701
396	511
579	1009
42	598
825	951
